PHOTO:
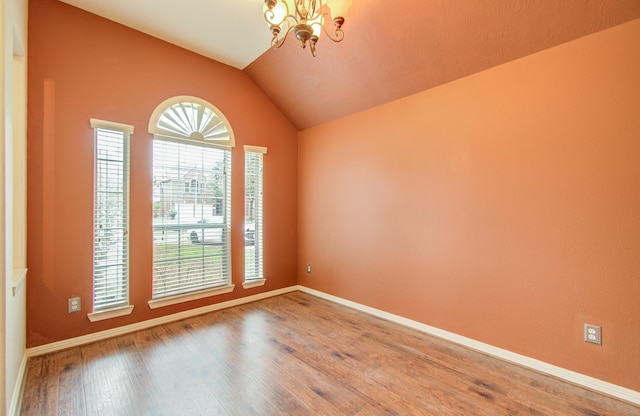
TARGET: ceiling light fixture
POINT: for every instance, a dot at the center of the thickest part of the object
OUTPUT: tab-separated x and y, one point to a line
305	18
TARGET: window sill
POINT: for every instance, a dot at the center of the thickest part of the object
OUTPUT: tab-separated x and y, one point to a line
110	313
172	300
253	283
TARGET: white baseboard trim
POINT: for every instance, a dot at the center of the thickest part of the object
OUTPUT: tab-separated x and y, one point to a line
16	398
114	332
607	388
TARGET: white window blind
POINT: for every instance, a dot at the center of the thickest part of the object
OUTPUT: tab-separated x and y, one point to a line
111	216
253	213
191	217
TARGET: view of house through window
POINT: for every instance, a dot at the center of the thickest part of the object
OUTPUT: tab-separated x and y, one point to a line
191	224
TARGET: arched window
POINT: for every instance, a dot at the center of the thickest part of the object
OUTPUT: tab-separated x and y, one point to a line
191	118
192	205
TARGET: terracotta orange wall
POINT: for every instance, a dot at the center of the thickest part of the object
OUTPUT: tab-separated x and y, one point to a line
504	206
83	66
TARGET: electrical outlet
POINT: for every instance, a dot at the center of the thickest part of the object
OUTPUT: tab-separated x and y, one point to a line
593	334
309	268
74	305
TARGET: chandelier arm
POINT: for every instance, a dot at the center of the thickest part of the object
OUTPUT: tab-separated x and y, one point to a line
277	41
312	46
314	10
297	7
269	15
336	36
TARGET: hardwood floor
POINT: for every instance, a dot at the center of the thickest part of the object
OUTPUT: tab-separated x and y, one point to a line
293	354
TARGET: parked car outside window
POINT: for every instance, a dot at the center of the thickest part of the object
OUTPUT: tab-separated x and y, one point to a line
212	233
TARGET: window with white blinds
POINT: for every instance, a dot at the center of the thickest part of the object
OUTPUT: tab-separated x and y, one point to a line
111	216
253	213
191	217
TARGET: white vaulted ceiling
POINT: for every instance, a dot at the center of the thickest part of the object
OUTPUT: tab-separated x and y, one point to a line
230	31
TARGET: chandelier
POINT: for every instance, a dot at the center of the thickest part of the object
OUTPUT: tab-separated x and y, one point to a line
305	18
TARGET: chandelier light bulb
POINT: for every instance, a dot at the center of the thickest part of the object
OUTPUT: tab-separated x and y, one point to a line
316	24
339	8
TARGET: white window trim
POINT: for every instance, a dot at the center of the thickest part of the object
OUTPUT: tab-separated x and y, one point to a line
110	313
111	125
253	283
255	149
125	309
173	300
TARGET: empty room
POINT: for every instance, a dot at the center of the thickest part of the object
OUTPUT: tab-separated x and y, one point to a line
305	207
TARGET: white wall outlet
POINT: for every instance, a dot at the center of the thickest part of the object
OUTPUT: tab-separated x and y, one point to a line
309	268
74	305
593	334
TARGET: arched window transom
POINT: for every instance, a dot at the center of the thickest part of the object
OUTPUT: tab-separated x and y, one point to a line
191	118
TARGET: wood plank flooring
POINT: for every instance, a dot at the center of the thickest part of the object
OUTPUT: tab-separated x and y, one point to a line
293	354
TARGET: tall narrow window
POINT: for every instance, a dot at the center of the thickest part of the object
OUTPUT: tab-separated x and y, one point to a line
192	202
253	241
111	220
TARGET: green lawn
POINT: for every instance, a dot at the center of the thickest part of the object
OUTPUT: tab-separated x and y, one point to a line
187	267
